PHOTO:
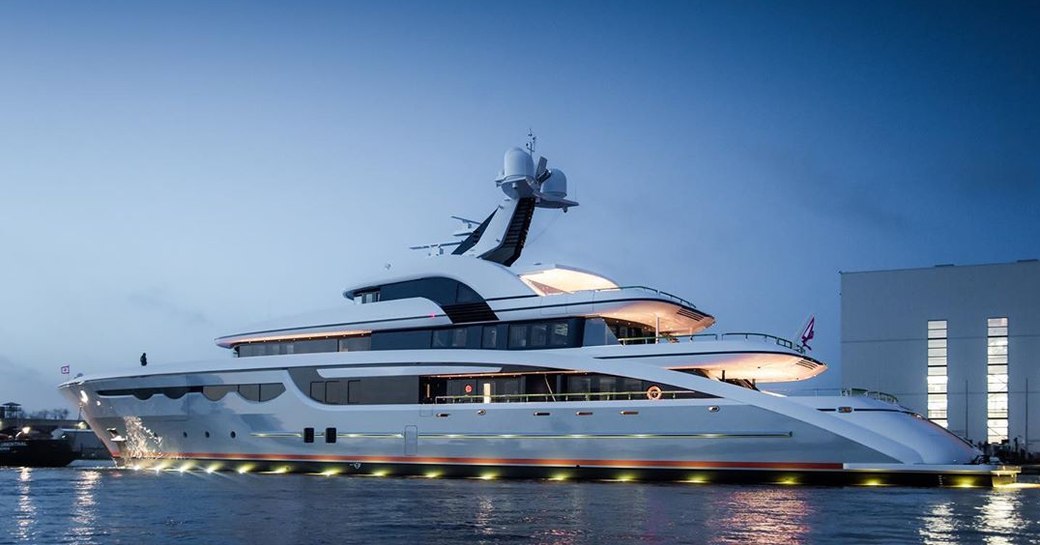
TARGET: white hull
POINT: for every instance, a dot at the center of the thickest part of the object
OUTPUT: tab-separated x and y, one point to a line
740	435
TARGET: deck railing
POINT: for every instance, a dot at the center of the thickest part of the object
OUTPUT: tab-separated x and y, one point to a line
655	291
583	396
847	392
666	338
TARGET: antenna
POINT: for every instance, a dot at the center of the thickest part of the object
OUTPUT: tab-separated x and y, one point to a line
531	141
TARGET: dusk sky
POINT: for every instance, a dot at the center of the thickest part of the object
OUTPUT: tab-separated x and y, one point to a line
174	172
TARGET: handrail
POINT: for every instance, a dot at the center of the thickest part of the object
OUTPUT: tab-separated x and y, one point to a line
570	396
664	294
779	341
847	392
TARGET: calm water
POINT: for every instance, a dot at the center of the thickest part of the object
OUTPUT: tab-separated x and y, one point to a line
93	504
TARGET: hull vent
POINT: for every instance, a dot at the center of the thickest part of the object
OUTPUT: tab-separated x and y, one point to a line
470	312
693	314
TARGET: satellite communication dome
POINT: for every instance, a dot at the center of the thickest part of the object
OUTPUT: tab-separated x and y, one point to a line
517	166
556	184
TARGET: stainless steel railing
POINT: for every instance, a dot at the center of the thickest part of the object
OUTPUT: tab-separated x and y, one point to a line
779	341
582	396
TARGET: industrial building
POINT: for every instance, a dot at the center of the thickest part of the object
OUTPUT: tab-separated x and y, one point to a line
958	344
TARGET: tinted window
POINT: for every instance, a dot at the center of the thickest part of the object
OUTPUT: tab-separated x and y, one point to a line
216	393
355	344
318	391
271	391
401	340
518	335
336	392
539	335
559	334
442	338
175	393
316	345
467	295
490	337
249	391
247	350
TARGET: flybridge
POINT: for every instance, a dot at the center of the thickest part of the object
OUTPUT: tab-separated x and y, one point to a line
500	238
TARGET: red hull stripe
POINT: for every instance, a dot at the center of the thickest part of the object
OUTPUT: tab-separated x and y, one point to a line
547	462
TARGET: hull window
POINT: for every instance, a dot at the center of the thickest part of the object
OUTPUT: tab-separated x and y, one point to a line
355	344
366	391
533	387
514	336
252	392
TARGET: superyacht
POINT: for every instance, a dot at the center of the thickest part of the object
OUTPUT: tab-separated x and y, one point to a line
462	365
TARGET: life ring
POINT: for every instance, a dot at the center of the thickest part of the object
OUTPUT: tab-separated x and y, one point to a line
653	392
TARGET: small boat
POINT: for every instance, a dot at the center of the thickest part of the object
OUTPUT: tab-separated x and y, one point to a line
28	449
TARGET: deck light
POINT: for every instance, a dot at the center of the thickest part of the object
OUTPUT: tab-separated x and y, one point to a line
212	468
432	475
488	476
964	482
1017	485
244	469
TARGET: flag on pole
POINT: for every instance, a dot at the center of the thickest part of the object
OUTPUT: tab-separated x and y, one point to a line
808	333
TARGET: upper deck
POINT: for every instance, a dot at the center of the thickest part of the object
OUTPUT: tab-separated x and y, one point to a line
463	290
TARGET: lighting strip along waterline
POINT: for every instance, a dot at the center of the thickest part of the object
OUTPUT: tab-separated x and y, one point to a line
692	472
707	435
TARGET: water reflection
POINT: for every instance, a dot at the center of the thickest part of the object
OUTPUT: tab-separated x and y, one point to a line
485	515
26	515
938	524
999	518
84	507
763	516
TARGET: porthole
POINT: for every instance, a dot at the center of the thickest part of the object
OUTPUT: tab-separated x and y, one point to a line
185	434
234	435
207	435
713	409
481	412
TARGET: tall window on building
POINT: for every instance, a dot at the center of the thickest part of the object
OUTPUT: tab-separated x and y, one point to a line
997	379
937	372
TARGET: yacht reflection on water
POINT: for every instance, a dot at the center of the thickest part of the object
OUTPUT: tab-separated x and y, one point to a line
462	365
88	505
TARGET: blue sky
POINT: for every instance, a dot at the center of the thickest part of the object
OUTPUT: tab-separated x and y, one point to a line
172	172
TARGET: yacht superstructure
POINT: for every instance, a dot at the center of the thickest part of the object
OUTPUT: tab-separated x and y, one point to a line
461	365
